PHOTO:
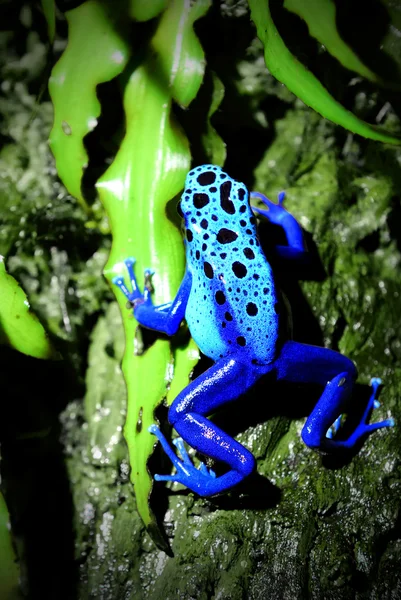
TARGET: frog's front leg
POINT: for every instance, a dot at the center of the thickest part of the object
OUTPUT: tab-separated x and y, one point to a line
224	381
165	318
277	214
311	364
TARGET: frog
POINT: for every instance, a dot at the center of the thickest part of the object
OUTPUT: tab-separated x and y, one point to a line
232	306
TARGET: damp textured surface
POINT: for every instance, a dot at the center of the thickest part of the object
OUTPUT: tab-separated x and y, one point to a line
305	528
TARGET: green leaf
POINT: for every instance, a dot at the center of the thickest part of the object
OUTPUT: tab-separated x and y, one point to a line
49	10
143	10
320	17
95	53
9	569
213	144
185	358
179	58
19	327
148	172
286	68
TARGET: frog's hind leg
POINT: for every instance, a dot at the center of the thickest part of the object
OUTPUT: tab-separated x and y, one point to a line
224	381
310	364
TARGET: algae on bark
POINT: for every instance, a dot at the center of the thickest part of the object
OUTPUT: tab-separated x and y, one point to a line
305	527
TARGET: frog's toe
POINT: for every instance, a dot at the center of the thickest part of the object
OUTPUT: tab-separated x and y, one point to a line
375	383
374	426
130	262
187	474
212	474
134	295
364	427
179	444
119	281
203	468
373	402
148	285
158	477
148	274
281	198
206	471
165	445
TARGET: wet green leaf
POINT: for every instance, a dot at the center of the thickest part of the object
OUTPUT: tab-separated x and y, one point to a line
143	10
213	144
148	172
179	60
95	53
49	10
184	359
320	17
286	68
9	569
19	327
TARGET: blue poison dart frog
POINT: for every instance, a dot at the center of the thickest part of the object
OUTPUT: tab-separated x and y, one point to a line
230	303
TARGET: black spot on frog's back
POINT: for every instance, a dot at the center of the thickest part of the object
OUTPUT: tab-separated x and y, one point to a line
208	270
249	253
226	236
239	269
225	202
206	178
220	297
251	309
200	200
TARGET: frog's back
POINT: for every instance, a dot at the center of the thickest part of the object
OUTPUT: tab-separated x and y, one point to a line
233	306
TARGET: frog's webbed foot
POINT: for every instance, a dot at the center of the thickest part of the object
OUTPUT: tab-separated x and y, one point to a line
364	428
274	211
278	215
187	474
135	297
337	373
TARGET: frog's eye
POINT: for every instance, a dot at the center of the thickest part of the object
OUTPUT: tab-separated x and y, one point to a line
179	210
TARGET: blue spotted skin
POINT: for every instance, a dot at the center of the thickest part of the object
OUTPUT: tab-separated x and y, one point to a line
233	297
229	300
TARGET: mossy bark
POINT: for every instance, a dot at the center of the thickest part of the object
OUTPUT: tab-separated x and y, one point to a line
322	528
304	526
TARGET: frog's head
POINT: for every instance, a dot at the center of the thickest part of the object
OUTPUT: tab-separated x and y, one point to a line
217	214
210	192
